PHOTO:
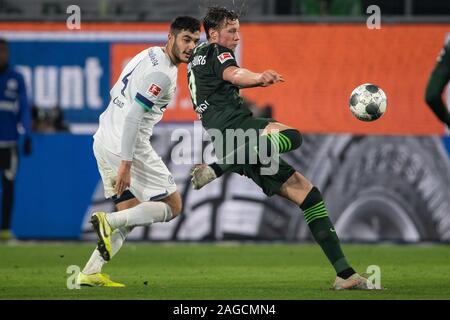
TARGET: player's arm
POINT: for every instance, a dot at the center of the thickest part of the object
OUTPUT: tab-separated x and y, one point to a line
225	66
436	84
144	100
244	78
129	136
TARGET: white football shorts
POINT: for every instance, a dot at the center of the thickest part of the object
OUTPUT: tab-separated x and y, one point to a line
150	178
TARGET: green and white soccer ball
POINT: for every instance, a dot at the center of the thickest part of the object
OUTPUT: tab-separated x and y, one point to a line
368	102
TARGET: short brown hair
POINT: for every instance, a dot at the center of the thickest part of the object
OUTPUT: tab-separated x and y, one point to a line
216	16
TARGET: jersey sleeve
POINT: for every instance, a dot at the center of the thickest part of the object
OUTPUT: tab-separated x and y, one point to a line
443	59
154	86
437	81
222	58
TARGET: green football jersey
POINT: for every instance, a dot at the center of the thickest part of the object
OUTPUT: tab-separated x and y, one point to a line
436	85
216	101
444	57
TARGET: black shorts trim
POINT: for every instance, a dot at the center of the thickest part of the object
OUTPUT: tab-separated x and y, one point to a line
126	195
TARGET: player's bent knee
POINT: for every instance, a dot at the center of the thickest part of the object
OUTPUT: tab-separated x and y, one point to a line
174	202
176	209
298	181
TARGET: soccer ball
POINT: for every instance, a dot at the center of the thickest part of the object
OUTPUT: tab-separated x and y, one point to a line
368	102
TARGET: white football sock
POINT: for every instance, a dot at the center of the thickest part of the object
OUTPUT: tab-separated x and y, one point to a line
143	214
96	262
118	237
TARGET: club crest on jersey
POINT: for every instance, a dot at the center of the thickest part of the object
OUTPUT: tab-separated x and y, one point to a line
224	57
153	90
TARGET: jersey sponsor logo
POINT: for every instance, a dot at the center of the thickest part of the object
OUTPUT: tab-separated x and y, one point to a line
201	108
153	58
154	90
118	103
224	57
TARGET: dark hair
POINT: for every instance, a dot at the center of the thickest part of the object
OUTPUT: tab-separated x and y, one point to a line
3	41
184	23
216	16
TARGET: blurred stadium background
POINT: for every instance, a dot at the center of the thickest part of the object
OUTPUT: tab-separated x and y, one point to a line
383	181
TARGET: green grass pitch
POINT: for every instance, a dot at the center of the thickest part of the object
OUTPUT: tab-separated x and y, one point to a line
223	271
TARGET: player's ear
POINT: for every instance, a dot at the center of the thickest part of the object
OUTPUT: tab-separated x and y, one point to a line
213	33
171	37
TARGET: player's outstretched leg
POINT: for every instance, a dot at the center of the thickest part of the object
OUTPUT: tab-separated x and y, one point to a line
92	273
276	138
144	214
299	190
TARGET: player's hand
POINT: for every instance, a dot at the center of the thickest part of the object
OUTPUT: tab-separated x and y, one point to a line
270	77
123	178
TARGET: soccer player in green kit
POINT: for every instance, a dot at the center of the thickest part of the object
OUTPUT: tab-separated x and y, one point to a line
214	81
436	84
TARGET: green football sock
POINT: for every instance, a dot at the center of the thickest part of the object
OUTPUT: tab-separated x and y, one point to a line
322	229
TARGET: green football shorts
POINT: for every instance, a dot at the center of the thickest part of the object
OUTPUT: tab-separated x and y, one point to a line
270	184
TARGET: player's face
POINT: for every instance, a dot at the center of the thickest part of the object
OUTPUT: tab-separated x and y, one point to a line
3	54
228	36
182	45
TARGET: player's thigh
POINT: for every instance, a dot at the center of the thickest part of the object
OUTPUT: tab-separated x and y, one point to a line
263	125
226	143
151	180
127	204
106	168
275	126
255	123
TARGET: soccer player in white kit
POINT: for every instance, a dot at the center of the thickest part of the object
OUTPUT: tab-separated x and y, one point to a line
133	175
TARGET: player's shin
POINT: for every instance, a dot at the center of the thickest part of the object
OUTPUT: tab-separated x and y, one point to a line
322	229
143	214
96	262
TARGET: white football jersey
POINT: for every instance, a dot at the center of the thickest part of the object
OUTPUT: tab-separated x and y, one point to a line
150	79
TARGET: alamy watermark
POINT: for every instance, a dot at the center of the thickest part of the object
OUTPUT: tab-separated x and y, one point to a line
71	282
374	20
73	21
374	277
229	148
